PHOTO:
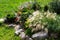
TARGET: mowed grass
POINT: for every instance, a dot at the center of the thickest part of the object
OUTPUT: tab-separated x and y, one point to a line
8	7
7	33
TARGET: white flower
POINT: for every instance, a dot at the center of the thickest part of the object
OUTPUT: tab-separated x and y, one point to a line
51	15
31	19
36	13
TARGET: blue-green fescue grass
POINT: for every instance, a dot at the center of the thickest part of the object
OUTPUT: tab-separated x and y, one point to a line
8	7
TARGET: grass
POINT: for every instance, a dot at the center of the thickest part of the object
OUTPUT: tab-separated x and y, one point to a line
7	33
8	7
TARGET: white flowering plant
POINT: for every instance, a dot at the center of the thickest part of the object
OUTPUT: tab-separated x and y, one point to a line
41	20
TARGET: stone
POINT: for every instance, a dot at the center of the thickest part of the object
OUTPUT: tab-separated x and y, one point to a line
22	35
2	19
17	27
28	38
18	31
39	35
11	25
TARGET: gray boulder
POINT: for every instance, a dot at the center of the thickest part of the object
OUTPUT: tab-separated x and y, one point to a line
28	38
17	32
39	35
22	36
17	27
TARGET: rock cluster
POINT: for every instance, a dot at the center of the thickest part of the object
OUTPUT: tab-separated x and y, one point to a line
36	36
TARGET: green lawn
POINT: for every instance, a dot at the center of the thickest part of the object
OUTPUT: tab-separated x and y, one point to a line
7	33
7	7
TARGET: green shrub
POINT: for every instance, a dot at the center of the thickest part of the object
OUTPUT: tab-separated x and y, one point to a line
1	23
10	18
28	31
25	15
55	6
36	6
45	8
52	25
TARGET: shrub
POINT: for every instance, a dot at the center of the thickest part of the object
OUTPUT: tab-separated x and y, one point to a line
45	8
36	6
10	18
28	32
25	15
55	6
1	23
